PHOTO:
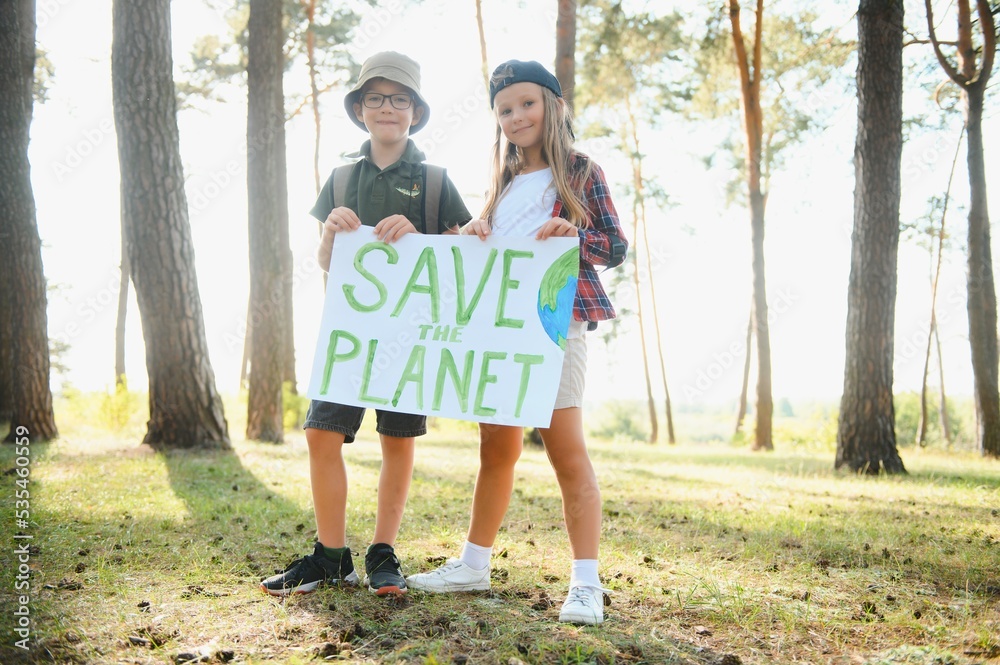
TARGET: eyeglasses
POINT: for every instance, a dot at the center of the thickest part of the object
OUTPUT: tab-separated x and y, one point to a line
373	100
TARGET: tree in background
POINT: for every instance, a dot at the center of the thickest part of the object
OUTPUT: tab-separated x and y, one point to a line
315	40
934	236
777	86
866	437
268	208
566	48
25	395
184	407
982	303
628	67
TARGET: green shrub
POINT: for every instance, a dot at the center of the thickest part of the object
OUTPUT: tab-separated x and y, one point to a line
295	407
622	420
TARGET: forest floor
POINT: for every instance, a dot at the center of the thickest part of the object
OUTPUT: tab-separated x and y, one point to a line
714	555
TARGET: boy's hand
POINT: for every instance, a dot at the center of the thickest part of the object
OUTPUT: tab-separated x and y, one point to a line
478	227
557	227
393	228
341	219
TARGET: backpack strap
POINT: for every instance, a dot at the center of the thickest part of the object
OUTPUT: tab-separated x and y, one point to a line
341	176
433	189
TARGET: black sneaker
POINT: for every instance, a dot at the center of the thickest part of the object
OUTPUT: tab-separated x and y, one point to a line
306	574
382	572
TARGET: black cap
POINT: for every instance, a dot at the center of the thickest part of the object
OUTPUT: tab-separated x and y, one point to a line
516	71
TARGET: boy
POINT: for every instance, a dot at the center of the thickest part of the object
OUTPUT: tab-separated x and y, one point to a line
386	189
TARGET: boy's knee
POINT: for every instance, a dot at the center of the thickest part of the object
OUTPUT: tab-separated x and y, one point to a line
323	442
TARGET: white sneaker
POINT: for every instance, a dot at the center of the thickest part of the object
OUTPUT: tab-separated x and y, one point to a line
452	576
584	604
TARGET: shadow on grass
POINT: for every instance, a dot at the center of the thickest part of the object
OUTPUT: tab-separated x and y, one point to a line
226	501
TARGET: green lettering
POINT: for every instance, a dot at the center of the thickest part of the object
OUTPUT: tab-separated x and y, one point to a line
429	261
332	356
413	372
366	377
526	360
461	383
486	378
506	284
424	329
392	257
463	313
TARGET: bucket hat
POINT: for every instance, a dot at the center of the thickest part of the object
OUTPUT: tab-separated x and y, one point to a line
394	67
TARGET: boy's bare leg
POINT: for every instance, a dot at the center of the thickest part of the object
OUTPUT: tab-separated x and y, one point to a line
567	451
328	476
499	449
393	487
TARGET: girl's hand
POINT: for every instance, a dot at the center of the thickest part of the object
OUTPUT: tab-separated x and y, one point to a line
557	227
393	228
479	227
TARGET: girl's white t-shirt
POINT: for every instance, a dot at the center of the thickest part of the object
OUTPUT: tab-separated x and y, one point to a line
525	205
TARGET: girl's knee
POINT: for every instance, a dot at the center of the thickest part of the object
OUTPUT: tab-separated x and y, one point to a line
494	455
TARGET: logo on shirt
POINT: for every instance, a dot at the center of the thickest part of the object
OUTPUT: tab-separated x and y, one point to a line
410	192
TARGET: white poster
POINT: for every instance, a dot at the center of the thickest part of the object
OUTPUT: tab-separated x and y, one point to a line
447	325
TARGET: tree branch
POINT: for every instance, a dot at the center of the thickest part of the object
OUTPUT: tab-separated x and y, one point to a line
942	60
986	23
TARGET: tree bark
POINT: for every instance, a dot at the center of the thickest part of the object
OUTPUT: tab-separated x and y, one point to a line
650	402
982	303
27	335
933	327
123	282
184	407
482	46
753	126
566	49
741	407
945	424
640	196
866	438
268	219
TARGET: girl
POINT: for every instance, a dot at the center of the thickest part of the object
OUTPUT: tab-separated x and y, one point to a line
542	187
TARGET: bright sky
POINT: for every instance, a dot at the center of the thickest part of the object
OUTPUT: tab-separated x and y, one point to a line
700	248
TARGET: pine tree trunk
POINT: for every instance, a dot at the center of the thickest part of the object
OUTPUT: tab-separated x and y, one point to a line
268	222
741	407
123	282
641	198
30	395
654	427
750	80
866	438
484	60
982	303
921	438
310	6
945	423
6	330
764	406
184	407
566	48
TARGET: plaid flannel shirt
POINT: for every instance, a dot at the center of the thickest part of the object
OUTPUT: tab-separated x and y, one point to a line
592	303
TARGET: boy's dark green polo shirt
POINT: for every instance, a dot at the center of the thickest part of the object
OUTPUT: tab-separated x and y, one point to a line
375	193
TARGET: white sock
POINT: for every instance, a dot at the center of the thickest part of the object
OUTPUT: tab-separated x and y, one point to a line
584	573
475	556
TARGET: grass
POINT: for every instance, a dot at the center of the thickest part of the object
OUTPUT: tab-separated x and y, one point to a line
714	555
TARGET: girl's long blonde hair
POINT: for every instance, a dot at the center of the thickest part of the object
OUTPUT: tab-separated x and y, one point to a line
569	176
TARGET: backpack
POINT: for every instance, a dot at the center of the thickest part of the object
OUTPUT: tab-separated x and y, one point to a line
430	205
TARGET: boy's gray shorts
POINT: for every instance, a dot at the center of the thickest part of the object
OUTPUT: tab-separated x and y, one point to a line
347	420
